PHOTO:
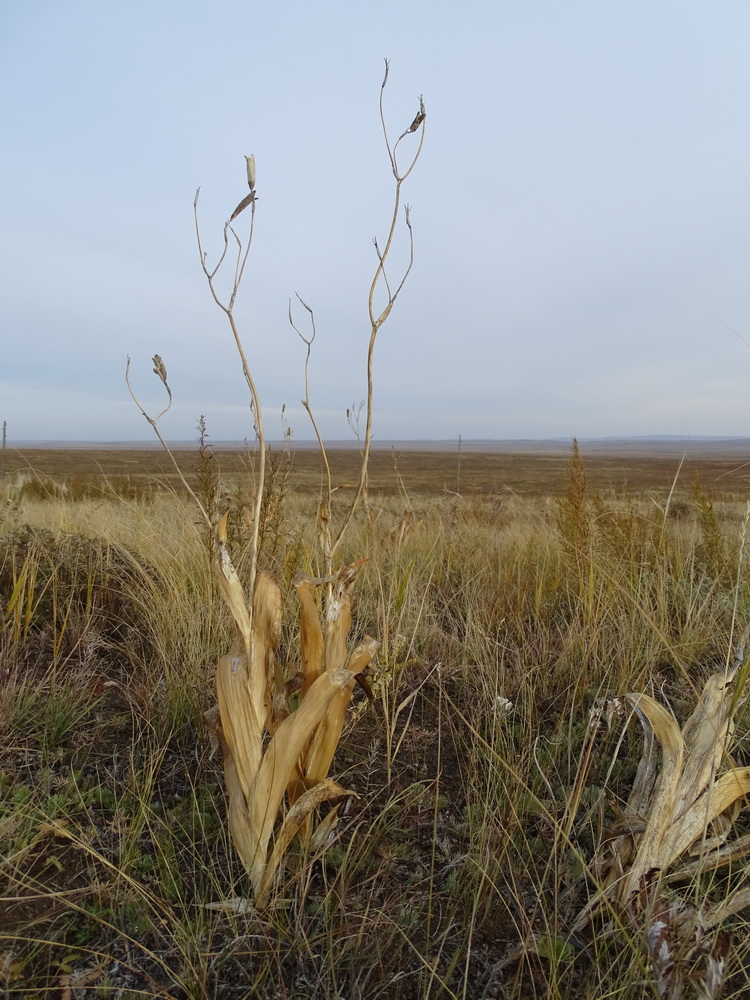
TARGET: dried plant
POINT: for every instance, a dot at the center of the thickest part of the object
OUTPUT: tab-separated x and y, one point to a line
271	748
678	824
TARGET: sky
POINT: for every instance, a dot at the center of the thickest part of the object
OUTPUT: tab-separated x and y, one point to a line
580	211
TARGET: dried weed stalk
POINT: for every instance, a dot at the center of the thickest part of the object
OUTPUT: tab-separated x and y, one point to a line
330	536
272	752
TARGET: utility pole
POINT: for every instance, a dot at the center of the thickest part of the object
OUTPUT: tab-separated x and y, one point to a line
5	439
458	468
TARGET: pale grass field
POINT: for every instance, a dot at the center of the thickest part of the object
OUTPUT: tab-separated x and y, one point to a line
487	796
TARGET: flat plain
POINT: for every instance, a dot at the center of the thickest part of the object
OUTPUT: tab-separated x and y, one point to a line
527	468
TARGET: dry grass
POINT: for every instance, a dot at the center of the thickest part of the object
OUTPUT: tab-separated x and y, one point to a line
464	867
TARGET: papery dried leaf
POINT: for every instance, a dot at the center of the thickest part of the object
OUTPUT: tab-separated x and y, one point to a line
235	905
736	903
311	635
645	777
266	636
686	805
338	627
718	832
319	754
230	586
281	759
718	858
241	724
239	820
247	200
325	830
686	831
631	823
363	654
666	788
324	791
316	761
705	735
339	615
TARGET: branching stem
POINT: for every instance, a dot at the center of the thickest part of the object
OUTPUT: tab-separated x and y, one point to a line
154	421
228	309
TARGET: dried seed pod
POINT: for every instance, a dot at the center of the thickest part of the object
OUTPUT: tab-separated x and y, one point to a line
250	161
160	368
419	118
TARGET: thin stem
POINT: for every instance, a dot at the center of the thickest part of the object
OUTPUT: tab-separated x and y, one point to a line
255	405
260	432
154	421
308	341
377	322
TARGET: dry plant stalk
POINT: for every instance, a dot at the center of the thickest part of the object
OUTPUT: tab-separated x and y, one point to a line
269	751
330	538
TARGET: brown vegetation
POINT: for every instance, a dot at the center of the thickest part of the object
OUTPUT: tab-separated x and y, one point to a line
534	472
488	793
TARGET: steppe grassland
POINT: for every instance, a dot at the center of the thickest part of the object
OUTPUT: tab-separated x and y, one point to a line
473	848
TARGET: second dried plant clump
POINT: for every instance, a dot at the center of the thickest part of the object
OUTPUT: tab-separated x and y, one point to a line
678	825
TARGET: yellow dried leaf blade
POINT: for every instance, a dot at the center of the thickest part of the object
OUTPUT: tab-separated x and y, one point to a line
645	777
663	801
325	791
242	727
267	608
240	826
296	787
231	591
326	738
729	787
237	904
346	576
362	655
311	635
339	615
221	529
721	912
338	625
266	635
281	758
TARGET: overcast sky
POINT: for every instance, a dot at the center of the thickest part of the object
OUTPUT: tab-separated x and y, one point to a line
581	214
